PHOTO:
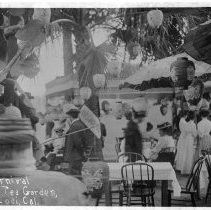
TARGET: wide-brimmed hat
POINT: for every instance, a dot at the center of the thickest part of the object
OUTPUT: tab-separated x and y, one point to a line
72	109
164	125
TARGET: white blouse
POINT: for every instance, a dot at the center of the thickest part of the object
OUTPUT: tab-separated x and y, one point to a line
204	127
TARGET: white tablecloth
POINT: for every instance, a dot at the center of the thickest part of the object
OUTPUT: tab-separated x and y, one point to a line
162	171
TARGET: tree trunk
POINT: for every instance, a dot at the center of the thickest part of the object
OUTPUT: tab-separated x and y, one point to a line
67	50
93	102
82	45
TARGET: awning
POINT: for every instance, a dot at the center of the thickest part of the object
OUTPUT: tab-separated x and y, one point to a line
157	74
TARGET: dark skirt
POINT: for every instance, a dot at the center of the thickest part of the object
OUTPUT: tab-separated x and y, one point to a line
166	157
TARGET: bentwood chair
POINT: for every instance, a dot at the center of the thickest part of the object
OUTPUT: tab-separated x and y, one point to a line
191	187
207	155
127	157
137	179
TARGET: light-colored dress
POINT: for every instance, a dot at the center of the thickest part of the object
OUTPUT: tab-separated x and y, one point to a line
204	129
185	147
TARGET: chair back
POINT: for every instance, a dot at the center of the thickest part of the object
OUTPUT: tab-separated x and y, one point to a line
138	178
193	178
207	155
130	157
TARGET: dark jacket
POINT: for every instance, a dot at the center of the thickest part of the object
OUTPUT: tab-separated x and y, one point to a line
133	138
75	144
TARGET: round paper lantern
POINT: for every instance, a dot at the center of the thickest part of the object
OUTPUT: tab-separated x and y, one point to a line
114	67
183	71
42	14
155	18
95	176
99	80
85	93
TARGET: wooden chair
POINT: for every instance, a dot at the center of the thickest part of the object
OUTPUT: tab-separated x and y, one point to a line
191	187
207	155
138	185
130	157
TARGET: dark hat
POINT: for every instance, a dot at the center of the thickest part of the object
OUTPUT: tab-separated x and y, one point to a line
164	125
72	109
139	113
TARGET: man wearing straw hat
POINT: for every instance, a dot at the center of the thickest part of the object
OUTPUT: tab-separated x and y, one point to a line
75	142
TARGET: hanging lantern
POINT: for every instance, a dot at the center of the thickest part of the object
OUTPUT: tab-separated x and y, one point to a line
155	18
95	175
183	72
99	80
114	67
134	49
42	14
85	93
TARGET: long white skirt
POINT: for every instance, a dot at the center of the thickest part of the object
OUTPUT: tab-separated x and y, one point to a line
185	154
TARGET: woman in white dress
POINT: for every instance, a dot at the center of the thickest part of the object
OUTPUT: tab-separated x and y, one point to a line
185	147
204	129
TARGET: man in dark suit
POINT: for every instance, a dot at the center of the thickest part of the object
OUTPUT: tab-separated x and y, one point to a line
75	142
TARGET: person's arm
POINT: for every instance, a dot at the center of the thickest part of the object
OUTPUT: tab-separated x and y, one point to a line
200	130
194	130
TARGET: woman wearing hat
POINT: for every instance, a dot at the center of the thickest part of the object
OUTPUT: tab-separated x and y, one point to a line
165	148
185	147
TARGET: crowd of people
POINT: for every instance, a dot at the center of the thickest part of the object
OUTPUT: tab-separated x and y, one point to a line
194	135
65	138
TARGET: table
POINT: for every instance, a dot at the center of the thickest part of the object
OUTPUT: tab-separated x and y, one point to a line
162	171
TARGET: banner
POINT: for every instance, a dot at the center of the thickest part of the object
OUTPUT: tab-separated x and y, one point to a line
90	120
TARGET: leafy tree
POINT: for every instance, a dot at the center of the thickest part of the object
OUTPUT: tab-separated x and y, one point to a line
159	42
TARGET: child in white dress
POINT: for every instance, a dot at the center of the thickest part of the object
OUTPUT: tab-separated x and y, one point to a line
204	129
185	147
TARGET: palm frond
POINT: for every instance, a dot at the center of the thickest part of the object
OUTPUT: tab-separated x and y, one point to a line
94	62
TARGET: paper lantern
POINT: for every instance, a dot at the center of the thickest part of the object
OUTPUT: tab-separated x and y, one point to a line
99	80
42	14
95	176
183	71
155	18
85	93
114	67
